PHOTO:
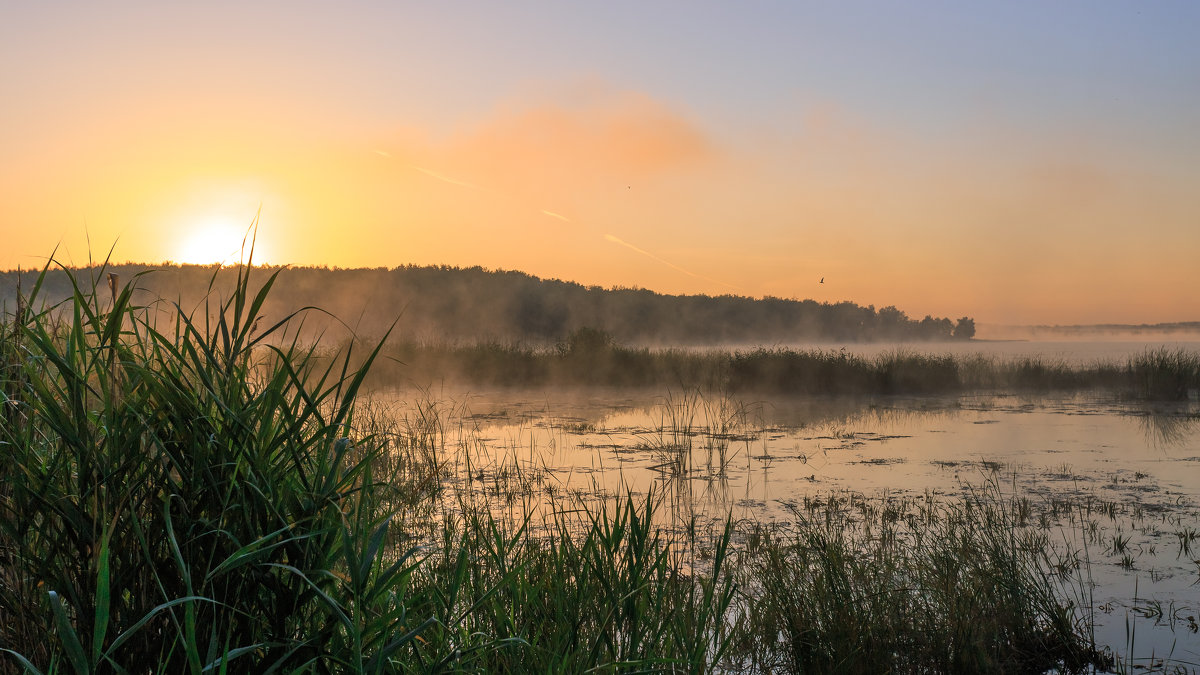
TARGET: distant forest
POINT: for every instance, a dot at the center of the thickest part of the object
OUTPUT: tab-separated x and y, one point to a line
475	305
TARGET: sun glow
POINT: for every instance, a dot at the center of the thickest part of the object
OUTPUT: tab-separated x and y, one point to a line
217	240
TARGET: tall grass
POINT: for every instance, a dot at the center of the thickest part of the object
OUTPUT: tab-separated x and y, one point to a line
912	585
590	360
592	588
202	498
1170	374
195	490
195	497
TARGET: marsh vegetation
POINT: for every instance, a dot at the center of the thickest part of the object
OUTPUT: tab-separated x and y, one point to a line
591	357
195	489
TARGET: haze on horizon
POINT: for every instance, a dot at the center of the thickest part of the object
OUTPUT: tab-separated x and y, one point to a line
1021	162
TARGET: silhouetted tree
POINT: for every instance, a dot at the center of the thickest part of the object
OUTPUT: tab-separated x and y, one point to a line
538	313
964	329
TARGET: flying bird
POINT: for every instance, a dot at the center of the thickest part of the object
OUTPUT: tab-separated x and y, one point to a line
822	279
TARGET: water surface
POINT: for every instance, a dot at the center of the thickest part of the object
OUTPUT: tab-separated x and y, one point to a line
1130	471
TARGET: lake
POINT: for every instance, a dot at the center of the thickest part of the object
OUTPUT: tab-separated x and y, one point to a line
1130	471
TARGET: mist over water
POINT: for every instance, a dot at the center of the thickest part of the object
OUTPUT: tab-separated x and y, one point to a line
711	450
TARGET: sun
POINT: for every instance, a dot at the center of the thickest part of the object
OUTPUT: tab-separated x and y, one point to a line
217	240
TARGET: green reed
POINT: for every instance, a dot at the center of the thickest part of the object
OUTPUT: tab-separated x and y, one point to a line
194	489
205	498
859	585
589	360
190	498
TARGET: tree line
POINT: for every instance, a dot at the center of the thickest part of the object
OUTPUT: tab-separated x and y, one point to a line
452	304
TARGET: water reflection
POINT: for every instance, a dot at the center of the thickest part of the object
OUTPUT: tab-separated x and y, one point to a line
1168	429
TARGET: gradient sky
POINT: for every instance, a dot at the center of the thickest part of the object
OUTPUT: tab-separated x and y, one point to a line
1019	162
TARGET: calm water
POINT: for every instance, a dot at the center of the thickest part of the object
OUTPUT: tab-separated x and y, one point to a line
1134	470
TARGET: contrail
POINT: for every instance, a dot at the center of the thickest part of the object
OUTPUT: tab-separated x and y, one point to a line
382	153
441	177
668	263
559	216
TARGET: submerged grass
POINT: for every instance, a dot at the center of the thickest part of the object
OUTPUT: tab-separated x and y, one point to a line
214	497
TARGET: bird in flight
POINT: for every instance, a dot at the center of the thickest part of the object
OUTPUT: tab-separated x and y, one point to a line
822	279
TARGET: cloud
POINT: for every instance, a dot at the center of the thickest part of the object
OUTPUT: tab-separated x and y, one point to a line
553	147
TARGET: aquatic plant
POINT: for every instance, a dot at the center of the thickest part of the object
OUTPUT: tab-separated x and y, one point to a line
586	359
910	585
1168	374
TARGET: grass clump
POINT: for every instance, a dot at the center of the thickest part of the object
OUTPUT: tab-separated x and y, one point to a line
1165	374
189	499
589	588
861	585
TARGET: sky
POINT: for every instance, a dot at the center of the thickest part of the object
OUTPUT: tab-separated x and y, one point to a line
1018	162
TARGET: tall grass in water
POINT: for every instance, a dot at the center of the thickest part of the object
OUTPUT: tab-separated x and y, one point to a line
589	588
588	357
189	498
910	585
1166	374
202	498
207	497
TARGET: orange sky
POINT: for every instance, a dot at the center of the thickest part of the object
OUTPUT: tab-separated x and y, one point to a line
952	164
